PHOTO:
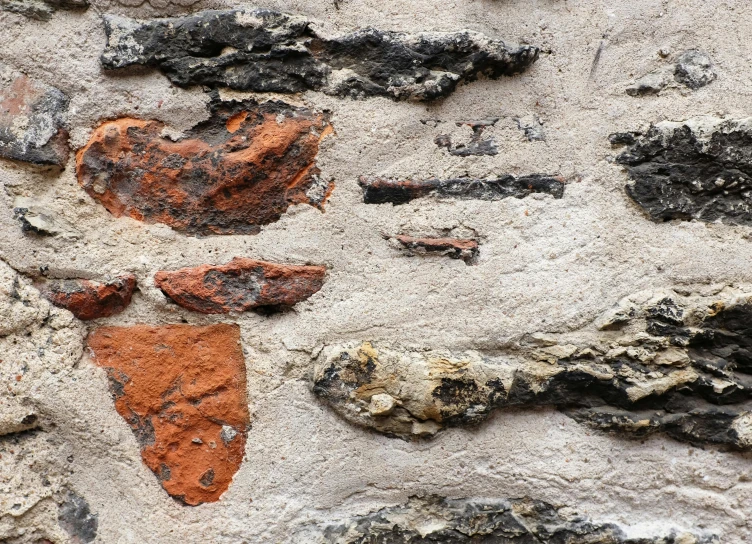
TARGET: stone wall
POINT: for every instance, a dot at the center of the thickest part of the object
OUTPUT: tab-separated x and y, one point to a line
352	271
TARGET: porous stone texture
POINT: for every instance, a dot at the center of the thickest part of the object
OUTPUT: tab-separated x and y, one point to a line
240	285
696	169
41	10
456	248
240	169
88	299
181	389
268	51
32	118
548	272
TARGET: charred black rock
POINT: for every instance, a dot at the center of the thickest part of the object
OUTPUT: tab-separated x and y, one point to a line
510	521
268	51
694	69
697	169
380	190
684	369
76	518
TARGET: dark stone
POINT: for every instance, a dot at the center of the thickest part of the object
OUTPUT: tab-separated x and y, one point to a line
74	515
41	10
502	521
380	190
694	69
532	127
267	51
476	146
32	119
698	169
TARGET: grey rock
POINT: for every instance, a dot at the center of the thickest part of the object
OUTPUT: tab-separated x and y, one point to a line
508	521
652	83
532	126
476	146
658	362
32	120
74	515
38	220
381	190
694	69
697	169
41	10
267	51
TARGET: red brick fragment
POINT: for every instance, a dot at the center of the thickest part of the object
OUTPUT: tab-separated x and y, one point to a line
88	299
240	169
240	285
456	248
182	389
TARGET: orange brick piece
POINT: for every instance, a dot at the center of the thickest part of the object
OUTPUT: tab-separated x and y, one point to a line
182	389
88	299
240	169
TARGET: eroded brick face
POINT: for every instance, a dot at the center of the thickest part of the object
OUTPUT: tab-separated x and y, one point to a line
240	285
456	248
231	174
88	299
182	389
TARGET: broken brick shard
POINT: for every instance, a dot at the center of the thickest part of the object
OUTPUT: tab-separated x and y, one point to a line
240	169
267	51
182	390
696	169
456	248
88	299
32	117
381	190
240	285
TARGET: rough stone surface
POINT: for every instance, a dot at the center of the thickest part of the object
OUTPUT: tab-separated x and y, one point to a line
179	387
653	83
506	521
456	248
381	190
32	119
88	299
231	174
37	219
682	367
240	285
696	169
267	51
694	69
76	518
476	146
41	10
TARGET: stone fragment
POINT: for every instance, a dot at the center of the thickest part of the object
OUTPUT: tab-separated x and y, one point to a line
88	299
16	416
240	285
694	69
505	521
532	126
382	190
74	515
476	146
39	220
652	83
240	169
173	384
32	119
41	10
456	248
695	169
267	51
658	362
381	405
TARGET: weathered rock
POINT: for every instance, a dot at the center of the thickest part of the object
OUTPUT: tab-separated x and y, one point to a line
42	10
240	285
37	219
682	366
381	190
268	51
76	518
532	126
182	389
694	69
696	169
503	521
652	83
17	416
456	248
476	146
32	119
231	174
88	299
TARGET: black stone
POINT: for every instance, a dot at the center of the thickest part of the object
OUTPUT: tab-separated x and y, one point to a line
74	515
